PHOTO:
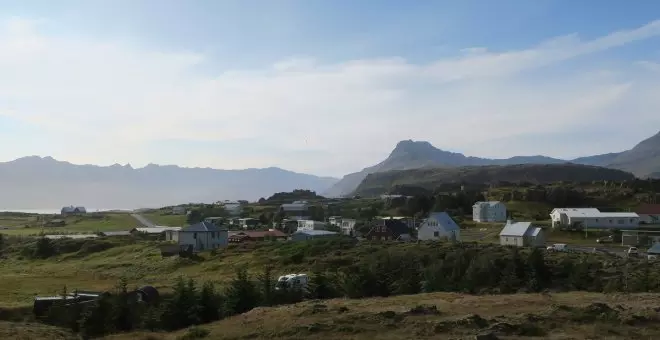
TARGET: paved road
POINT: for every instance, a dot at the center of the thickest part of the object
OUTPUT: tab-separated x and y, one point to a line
143	220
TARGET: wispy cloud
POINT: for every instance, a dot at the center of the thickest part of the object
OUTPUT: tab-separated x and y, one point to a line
110	100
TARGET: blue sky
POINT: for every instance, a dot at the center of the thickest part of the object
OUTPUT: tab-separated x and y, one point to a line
325	87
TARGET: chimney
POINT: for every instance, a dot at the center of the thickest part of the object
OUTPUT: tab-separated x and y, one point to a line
509	221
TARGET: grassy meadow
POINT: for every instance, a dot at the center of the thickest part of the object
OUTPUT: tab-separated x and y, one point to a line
91	223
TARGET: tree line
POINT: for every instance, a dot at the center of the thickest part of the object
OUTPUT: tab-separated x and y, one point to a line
466	268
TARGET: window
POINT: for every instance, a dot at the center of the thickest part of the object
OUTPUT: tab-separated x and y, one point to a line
621	221
436	234
610	221
632	220
195	236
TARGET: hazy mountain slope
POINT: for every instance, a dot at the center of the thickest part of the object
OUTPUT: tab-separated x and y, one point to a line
430	178
418	154
642	160
34	183
598	160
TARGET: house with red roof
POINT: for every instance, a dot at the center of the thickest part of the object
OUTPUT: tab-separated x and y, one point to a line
648	213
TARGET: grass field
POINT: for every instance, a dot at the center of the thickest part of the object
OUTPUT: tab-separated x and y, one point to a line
444	316
166	219
74	224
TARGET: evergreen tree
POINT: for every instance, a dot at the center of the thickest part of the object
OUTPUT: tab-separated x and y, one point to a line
210	302
44	248
320	287
242	294
267	285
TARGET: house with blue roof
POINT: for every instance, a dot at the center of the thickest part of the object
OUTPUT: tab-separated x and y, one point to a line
439	226
522	234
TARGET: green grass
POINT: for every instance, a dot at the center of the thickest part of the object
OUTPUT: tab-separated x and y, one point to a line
163	218
80	224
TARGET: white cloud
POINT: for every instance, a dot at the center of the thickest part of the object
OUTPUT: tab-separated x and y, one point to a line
108	100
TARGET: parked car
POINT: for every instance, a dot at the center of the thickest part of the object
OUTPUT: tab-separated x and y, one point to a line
606	239
632	251
557	247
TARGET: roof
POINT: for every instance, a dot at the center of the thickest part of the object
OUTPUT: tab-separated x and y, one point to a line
444	221
71	209
533	231
490	203
72	236
258	233
203	226
316	232
295	206
156	230
517	229
655	249
115	233
648	209
593	212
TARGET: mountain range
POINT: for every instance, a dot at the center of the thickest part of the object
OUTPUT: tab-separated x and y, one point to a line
643	160
40	183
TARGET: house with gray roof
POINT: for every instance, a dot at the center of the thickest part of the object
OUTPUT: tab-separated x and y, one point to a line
298	210
522	234
592	218
439	226
305	235
201	236
71	210
491	211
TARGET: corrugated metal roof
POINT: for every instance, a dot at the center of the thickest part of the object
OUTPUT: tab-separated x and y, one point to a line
444	221
534	231
655	249
594	213
72	236
490	203
203	226
294	206
516	229
116	233
316	232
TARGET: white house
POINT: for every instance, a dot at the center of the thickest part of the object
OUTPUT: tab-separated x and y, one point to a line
201	236
335	221
310	225
491	211
522	234
348	226
439	225
247	223
580	218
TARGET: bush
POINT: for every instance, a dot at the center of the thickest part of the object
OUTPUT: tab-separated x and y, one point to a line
195	333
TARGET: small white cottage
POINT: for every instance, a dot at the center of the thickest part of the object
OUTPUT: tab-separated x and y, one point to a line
439	226
522	234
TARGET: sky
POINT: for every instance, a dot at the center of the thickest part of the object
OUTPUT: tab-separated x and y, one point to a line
323	87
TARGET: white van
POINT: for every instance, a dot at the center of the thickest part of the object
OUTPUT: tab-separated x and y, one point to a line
557	247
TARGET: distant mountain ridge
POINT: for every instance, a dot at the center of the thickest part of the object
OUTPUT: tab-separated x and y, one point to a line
36	183
643	161
475	176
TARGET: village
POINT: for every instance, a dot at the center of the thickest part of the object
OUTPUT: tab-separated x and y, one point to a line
590	230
